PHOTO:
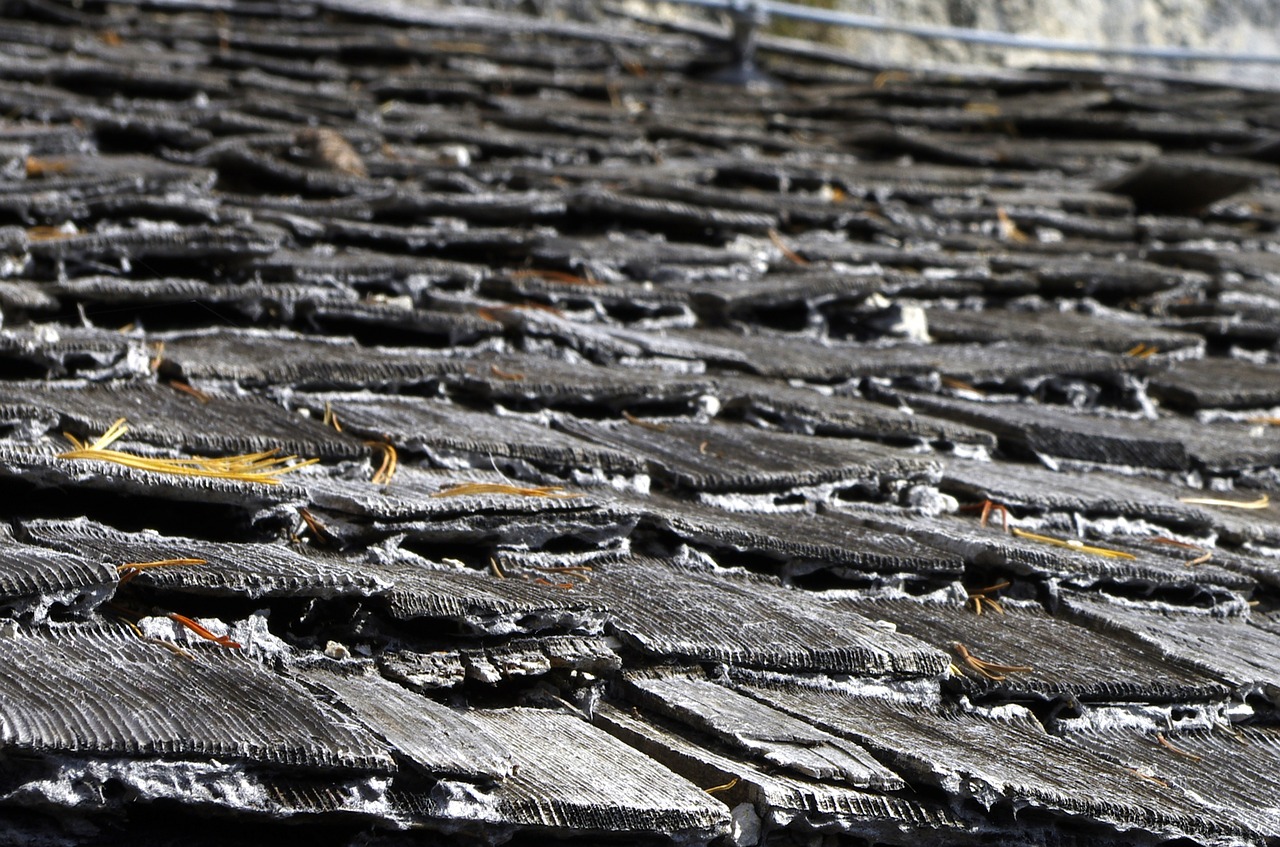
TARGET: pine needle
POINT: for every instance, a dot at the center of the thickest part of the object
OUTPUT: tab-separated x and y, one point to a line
1261	503
1072	544
261	467
200	630
390	461
464	489
129	570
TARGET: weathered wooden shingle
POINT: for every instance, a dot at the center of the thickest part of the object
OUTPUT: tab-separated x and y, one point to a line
254	571
103	690
720	457
760	732
780	799
573	778
667	610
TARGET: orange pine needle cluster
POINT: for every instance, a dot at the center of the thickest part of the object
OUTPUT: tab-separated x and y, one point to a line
263	467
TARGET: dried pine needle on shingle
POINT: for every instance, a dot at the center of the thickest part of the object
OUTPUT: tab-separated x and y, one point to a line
390	461
1261	503
463	489
1072	544
129	570
261	467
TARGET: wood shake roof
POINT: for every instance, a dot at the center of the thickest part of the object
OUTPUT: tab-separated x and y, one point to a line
428	425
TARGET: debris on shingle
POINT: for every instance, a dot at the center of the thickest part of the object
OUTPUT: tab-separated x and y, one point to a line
1147	567
163	416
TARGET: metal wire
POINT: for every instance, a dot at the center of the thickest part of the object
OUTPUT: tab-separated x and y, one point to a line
980	36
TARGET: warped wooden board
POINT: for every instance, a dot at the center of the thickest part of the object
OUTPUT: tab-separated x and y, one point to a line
39	466
41	352
799	542
1169	443
540	381
992	551
263	358
482	602
807	411
1030	486
1221	383
1034	487
435	738
1232	772
417	492
1058	329
1229	648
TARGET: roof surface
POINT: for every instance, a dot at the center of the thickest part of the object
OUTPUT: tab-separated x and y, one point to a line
526	436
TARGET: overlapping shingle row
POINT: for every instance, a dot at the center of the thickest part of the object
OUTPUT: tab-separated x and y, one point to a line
878	456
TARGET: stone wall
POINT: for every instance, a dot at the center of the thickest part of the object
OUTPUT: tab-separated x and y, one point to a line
1245	26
